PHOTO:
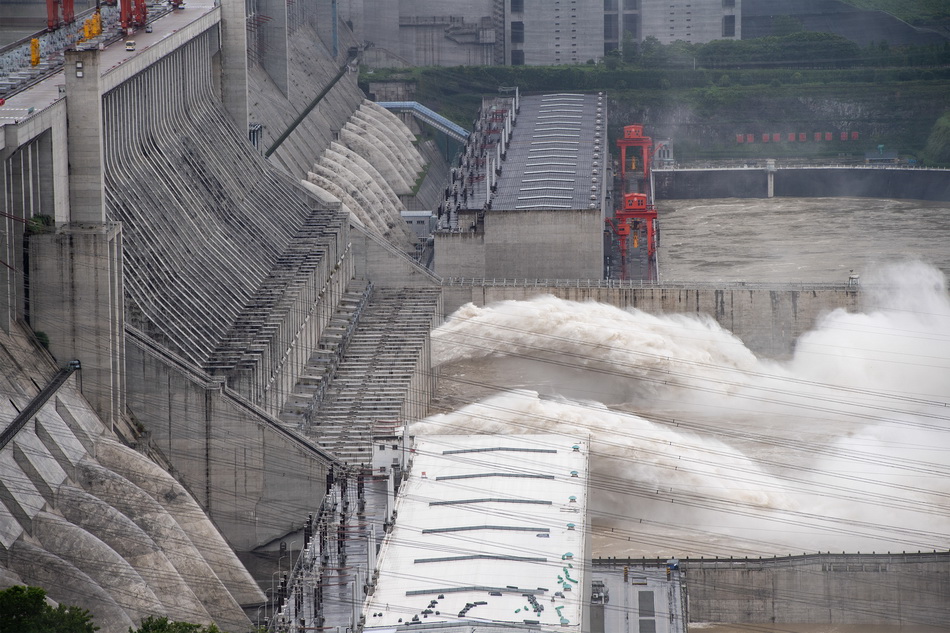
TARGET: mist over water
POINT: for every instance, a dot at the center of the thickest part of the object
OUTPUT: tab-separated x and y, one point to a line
699	447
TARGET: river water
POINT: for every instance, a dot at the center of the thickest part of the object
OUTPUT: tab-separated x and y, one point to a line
797	239
698	447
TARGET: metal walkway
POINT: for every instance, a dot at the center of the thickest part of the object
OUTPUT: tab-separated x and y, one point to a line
37	403
430	117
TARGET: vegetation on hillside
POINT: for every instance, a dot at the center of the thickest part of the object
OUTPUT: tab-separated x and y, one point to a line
154	624
25	610
919	12
704	96
937	150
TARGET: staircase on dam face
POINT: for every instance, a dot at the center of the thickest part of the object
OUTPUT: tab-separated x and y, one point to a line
313	382
383	375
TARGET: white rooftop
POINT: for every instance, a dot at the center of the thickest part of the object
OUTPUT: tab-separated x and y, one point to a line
489	529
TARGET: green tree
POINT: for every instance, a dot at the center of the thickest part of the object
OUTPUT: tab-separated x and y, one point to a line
631	50
24	610
154	624
786	25
652	52
937	150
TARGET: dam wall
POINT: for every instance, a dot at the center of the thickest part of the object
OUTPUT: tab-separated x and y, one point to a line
803	182
231	274
901	589
311	67
767	318
227	261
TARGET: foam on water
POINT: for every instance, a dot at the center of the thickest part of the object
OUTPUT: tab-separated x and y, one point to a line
699	447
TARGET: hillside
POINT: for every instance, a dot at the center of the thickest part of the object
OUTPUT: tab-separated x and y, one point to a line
926	13
703	111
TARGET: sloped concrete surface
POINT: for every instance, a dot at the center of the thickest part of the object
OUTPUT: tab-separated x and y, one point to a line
92	537
103	564
173	497
67	584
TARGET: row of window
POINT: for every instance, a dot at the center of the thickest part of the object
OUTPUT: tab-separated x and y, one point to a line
630	24
628	5
517	58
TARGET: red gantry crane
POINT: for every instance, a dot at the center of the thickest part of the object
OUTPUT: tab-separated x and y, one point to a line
132	14
636	200
53	21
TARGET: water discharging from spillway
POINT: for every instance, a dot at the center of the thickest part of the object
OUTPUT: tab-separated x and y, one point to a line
700	448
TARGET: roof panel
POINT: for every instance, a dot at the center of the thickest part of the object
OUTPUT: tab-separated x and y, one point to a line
488	529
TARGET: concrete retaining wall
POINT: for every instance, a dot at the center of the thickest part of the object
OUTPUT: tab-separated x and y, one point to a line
387	267
817	182
243	468
535	244
880	589
768	319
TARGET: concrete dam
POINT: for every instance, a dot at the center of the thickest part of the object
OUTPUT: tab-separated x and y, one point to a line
244	323
209	295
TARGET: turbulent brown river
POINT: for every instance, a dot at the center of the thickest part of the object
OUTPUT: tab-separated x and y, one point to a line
797	239
699	447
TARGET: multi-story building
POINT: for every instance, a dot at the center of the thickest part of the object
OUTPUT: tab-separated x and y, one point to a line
529	32
693	21
540	32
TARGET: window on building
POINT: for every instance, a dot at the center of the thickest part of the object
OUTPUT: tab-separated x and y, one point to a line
517	32
631	5
728	26
728	4
517	6
610	27
517	58
610	5
631	25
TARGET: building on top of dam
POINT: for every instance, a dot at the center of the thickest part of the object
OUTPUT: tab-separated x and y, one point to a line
489	531
529	194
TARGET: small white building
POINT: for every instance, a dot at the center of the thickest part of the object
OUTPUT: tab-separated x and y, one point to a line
421	223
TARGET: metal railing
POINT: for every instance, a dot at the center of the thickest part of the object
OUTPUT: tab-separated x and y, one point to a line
37	402
634	283
426	115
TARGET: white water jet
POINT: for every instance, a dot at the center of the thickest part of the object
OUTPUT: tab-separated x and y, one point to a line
701	448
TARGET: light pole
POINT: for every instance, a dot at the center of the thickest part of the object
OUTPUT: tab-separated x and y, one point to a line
273	591
293	561
267	601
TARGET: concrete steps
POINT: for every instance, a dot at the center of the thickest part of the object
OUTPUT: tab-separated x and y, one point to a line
384	374
319	372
